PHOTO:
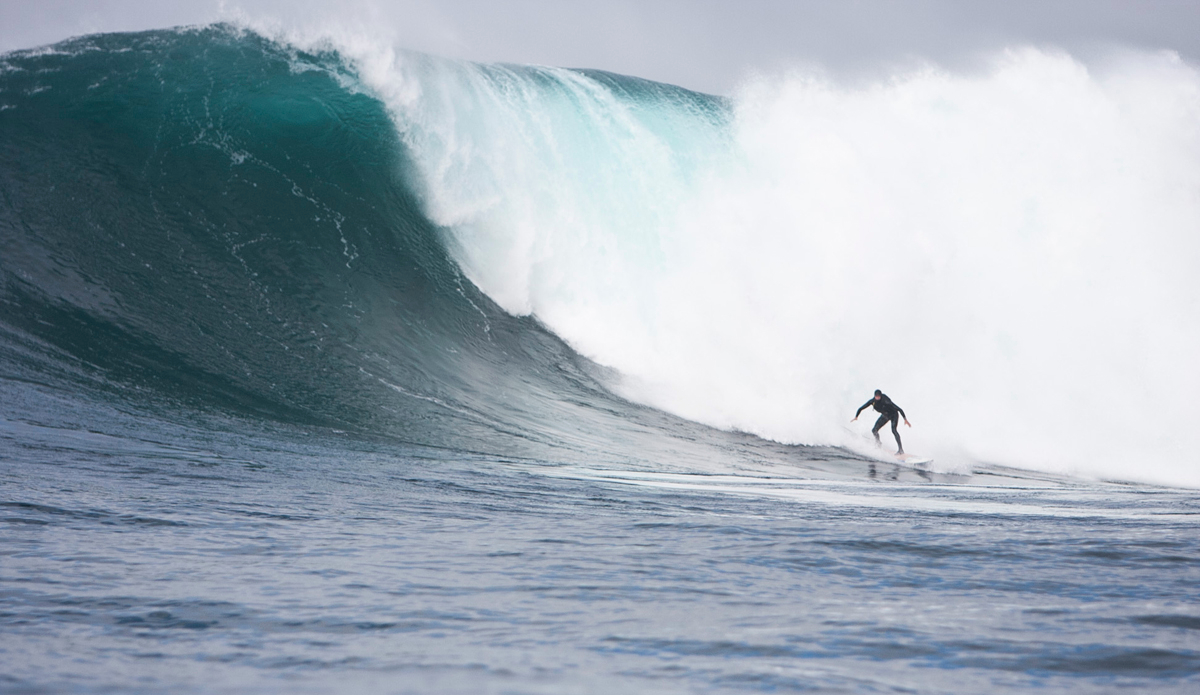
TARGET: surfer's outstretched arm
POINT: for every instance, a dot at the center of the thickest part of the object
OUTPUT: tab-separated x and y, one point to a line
863	407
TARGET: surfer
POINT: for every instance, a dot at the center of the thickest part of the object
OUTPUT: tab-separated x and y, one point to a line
888	412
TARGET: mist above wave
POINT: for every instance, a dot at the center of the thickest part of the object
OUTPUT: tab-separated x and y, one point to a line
1009	254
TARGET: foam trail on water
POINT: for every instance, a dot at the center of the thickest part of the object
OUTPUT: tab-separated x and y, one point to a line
1010	255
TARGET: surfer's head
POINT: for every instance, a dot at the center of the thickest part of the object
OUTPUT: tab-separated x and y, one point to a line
878	393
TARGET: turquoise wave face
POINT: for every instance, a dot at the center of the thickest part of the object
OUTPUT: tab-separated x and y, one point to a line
207	220
219	221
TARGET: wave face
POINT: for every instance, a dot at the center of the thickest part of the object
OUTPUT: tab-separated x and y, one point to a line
208	219
378	241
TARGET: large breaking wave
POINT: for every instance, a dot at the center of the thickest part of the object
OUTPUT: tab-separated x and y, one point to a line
206	219
378	240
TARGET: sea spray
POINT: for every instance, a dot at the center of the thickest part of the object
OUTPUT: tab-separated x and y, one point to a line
1007	253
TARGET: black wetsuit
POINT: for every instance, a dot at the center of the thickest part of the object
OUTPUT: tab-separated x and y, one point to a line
888	411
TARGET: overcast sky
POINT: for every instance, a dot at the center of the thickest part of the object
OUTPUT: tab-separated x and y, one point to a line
702	44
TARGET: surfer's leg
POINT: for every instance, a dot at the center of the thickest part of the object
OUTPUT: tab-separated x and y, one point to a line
878	426
895	431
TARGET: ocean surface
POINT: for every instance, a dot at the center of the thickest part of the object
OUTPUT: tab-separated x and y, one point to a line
324	372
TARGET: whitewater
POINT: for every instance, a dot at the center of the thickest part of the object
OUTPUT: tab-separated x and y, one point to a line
329	366
1011	250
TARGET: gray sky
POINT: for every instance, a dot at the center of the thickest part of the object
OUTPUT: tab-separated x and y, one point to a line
702	44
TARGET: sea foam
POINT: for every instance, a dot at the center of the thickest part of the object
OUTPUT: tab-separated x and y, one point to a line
1008	253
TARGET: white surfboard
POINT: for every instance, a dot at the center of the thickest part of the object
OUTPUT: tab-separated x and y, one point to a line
907	459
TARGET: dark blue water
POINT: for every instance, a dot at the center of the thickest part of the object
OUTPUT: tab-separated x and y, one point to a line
258	434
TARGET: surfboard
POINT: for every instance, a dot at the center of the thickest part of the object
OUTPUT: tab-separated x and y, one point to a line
907	459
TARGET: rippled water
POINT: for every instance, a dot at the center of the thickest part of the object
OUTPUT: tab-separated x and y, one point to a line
157	557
